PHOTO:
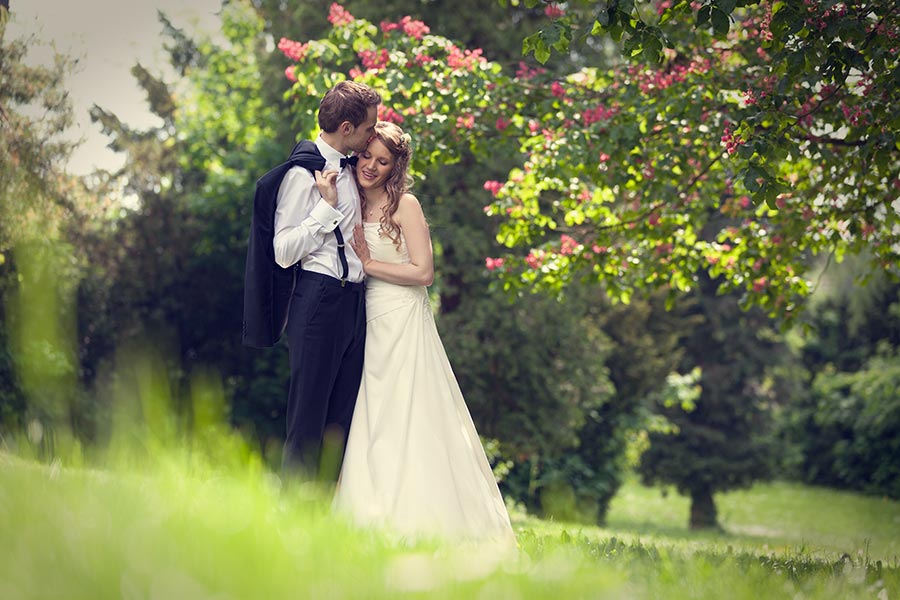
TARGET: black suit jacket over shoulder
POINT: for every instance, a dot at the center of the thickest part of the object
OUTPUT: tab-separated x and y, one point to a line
268	286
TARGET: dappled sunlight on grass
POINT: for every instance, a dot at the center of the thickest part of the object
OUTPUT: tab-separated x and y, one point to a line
830	521
778	516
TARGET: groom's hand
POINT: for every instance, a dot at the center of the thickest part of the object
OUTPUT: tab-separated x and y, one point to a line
326	181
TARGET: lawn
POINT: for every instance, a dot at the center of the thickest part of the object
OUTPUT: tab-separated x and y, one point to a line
182	529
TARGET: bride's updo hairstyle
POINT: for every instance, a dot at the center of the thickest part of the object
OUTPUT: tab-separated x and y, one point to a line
398	182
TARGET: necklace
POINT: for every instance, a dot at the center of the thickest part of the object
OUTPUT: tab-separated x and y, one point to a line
371	211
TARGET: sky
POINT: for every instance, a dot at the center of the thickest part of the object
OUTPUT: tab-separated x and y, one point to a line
108	37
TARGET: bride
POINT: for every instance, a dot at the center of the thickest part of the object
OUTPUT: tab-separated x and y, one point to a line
413	462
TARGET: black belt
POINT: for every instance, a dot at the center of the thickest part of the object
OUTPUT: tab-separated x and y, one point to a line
350	286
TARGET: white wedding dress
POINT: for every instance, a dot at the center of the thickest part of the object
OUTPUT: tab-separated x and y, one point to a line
414	463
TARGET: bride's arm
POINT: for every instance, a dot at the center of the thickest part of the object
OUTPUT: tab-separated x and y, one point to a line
420	269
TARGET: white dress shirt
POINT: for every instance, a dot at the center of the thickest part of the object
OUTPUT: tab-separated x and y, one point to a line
304	222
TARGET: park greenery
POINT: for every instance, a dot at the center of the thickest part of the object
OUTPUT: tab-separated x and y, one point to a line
185	526
666	242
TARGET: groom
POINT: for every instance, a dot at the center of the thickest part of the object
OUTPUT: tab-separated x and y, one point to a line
303	280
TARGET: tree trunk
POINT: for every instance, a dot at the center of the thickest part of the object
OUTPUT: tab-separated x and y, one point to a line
703	509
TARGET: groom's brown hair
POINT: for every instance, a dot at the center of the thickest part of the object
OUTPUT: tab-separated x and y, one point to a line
346	101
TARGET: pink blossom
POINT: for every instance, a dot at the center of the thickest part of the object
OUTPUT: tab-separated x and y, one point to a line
759	284
567	245
653	219
465	122
464	59
423	59
535	258
374	59
386	113
598	113
533	126
289	73
293	50
502	123
553	11
493	263
744	201
652	80
604	157
387	26
493	187
338	15
355	73
526	72
557	89
414	29
730	141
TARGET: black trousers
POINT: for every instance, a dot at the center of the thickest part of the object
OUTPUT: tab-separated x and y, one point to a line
326	334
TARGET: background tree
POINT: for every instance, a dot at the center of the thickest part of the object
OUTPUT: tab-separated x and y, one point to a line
719	441
43	210
803	92
171	273
841	428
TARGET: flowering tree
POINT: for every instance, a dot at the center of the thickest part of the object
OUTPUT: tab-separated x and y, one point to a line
740	149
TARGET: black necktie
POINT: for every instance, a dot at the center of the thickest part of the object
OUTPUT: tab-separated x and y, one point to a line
349	160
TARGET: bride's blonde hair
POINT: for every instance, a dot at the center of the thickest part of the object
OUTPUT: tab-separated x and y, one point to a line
398	182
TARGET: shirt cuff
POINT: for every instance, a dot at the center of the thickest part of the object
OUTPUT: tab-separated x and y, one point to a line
326	215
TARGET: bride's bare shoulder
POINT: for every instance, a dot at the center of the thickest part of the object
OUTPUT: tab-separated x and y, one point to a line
407	200
408	207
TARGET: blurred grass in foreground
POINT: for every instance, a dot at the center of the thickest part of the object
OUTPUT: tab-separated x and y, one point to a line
186	528
168	501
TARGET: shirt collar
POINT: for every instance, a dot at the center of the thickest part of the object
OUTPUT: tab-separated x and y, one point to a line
331	156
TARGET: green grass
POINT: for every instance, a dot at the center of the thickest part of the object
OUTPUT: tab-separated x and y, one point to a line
184	529
826	523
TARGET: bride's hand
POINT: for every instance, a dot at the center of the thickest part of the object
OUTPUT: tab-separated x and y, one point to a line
326	181
359	245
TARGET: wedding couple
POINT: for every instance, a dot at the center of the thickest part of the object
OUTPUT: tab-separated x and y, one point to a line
367	364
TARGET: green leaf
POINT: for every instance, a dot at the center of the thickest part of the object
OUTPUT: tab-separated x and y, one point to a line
751	175
703	15
541	51
726	6
652	48
616	32
720	21
666	16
